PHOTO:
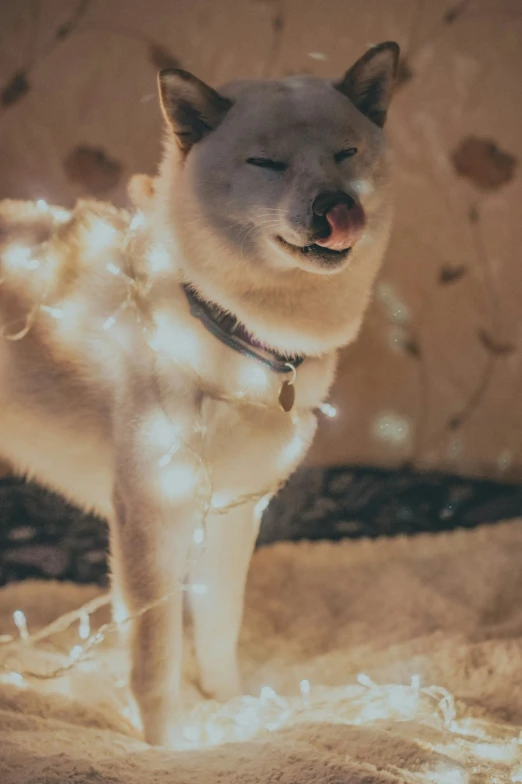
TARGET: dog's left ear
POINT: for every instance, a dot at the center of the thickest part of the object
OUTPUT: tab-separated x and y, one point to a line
192	108
369	83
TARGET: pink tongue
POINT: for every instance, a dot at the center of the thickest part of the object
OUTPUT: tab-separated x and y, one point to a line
346	225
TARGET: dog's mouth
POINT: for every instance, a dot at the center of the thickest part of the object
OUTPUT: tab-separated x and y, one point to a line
317	253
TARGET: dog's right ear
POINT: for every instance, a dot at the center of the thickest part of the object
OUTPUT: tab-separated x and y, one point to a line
192	108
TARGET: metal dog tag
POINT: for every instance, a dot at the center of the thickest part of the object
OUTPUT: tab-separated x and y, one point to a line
287	396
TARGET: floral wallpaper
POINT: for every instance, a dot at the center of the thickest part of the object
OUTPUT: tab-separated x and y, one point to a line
435	378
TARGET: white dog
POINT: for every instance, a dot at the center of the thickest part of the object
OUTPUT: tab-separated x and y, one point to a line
165	370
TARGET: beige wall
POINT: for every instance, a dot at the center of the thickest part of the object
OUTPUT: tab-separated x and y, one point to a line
442	341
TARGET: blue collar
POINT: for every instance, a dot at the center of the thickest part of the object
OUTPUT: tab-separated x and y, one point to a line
226	328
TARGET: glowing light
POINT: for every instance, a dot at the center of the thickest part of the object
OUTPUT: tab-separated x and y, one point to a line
261	505
119	612
498	752
14	678
60	215
21	623
131	713
159	431
317	56
138	221
397	338
177	482
393	428
100	237
199	536
365	680
198	588
362	187
395	308
56	313
452	776
84	628
266	693
113	269
242	718
42	205
158	258
328	410
174	340
109	323
17	256
165	460
221	500
304	688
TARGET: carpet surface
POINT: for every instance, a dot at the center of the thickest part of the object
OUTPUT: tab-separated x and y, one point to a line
357	620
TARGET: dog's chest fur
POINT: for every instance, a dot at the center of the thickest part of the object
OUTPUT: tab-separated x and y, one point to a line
64	381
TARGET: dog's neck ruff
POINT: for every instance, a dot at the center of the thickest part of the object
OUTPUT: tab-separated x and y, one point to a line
226	328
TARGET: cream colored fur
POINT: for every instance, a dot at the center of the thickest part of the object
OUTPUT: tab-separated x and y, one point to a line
90	409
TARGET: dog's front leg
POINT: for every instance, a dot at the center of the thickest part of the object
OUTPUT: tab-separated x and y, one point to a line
222	568
154	514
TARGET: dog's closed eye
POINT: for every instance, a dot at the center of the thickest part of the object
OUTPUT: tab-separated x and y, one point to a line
349	152
267	163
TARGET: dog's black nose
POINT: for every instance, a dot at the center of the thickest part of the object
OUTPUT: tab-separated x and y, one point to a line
326	200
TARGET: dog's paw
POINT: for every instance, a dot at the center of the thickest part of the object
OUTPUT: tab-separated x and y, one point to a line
163	721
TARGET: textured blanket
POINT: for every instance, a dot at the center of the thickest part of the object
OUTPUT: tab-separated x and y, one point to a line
371	661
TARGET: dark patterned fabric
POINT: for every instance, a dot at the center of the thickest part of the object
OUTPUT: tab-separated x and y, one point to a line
43	536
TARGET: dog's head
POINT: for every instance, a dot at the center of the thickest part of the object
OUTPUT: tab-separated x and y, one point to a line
278	184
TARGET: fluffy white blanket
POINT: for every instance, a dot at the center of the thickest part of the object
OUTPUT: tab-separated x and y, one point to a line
445	608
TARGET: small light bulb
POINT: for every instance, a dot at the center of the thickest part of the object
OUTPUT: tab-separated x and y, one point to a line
261	506
60	215
84	629
108	323
158	258
17	256
42	205
166	458
16	678
56	313
365	680
21	623
101	236
266	693
304	688
177	481
75	652
113	269
328	410
198	536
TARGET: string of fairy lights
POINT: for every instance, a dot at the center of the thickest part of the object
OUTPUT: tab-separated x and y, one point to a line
101	237
470	745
